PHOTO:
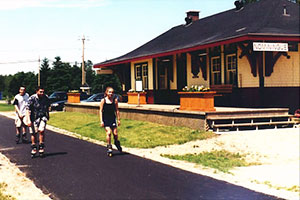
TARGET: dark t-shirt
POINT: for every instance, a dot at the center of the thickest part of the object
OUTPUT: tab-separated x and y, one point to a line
109	111
39	107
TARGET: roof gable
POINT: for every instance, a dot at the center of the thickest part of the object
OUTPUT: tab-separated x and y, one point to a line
261	18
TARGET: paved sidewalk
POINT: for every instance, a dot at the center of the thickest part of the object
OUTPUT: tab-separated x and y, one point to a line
77	169
250	177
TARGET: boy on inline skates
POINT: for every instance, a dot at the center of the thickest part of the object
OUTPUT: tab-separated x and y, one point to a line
38	115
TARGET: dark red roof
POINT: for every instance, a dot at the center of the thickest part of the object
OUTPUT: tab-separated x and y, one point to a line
263	20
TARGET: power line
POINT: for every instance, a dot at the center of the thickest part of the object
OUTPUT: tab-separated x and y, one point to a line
19	62
32	61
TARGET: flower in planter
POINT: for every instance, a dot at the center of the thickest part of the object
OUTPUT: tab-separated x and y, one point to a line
132	91
195	88
73	91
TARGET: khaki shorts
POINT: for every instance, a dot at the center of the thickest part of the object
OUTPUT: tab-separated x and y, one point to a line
20	122
39	125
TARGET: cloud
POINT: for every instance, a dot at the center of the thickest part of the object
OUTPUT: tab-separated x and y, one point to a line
18	4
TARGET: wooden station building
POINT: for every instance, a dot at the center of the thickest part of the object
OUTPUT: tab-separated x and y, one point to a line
249	55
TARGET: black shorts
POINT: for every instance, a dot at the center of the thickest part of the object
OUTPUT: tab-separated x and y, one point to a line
110	123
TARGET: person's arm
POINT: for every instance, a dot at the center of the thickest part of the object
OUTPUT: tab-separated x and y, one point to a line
48	107
28	105
15	103
117	112
101	113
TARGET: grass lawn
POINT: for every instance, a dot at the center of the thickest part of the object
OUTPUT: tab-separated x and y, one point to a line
220	160
6	107
132	133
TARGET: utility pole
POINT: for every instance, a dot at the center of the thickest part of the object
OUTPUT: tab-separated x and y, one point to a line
39	74
84	86
83	71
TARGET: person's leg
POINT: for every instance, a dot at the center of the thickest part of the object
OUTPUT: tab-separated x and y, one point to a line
41	131
18	134
108	140
18	129
24	129
115	132
41	137
33	131
117	142
33	138
41	142
108	134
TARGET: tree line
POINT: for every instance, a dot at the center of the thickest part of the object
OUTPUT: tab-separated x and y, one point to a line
252	1
61	76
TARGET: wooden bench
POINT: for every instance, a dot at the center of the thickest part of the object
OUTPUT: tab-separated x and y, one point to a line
222	89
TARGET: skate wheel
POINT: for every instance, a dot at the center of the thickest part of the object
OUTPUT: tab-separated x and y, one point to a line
110	154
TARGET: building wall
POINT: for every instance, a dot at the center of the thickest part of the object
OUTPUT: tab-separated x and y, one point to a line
150	73
196	81
245	77
286	72
173	84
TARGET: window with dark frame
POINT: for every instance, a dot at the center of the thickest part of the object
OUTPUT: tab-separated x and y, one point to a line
163	78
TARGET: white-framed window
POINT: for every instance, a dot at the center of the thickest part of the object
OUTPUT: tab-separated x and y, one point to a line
231	69
141	73
216	70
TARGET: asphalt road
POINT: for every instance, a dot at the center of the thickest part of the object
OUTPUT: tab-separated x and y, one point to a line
76	169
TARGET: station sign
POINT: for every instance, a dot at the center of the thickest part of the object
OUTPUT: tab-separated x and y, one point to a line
263	46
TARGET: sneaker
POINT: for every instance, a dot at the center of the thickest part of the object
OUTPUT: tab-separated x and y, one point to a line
24	139
33	149
118	145
17	138
41	148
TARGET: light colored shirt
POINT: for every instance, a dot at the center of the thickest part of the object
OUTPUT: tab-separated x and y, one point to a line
21	102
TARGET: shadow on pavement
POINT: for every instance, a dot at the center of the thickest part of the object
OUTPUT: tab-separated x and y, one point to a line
54	154
120	154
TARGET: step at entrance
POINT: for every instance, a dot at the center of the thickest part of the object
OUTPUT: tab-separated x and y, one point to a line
252	119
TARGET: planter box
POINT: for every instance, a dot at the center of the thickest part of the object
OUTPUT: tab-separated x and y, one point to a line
73	97
133	98
197	101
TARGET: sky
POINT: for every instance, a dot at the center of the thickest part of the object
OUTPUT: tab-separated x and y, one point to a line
36	29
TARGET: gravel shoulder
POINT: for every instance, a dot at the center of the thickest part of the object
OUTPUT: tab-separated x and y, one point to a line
277	151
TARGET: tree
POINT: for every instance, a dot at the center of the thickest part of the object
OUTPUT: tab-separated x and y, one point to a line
2	85
90	73
60	76
28	80
252	1
76	77
45	73
104	80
